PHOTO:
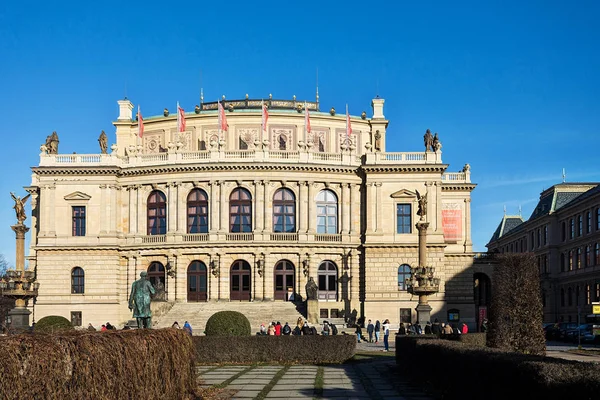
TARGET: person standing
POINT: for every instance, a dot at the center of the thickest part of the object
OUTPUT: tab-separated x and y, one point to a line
386	335
278	329
370	330
436	328
358	332
187	327
377	329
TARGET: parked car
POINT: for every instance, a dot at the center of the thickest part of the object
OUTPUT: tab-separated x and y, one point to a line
572	335
560	331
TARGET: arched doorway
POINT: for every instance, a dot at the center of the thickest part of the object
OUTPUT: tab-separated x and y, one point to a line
327	275
239	276
156	275
482	293
196	279
284	279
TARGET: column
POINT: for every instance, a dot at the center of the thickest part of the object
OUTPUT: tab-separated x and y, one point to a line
311	208
301	214
370	208
468	242
113	214
378	220
267	209
355	210
213	210
34	216
52	226
103	210
139	211
431	200
223	207
172	207
345	208
182	191
438	209
132	214
258	221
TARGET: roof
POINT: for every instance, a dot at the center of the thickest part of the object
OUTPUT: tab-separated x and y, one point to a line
508	223
551	200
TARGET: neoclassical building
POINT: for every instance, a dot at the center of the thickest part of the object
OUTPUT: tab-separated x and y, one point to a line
246	211
563	232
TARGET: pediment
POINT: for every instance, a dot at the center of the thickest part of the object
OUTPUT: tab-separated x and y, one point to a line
78	196
403	193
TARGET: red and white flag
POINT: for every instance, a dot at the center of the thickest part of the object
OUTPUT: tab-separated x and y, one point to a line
306	118
222	118
180	119
348	127
265	116
140	123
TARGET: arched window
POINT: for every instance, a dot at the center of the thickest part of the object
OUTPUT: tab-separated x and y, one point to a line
240	211
403	275
284	211
197	211
326	212
327	276
77	280
157	213
156	276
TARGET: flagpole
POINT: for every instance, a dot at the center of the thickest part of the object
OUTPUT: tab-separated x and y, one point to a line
138	124
219	119
177	109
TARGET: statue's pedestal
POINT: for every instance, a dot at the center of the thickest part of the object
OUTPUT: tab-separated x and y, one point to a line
312	311
19	317
423	314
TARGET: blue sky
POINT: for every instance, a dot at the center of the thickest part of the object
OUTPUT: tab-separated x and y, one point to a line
511	87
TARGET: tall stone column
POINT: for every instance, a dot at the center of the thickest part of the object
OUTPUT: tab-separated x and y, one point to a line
378	219
423	308
172	210
20	314
302	207
223	207
370	208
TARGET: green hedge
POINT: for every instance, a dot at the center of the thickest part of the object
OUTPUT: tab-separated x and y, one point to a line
493	373
51	324
130	364
308	349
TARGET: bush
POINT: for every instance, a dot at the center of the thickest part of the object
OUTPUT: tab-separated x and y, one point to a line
51	324
228	323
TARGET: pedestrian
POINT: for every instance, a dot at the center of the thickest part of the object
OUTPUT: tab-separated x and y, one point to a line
278	329
175	325
325	330
370	330
263	329
484	325
402	329
358	332
103	329
436	328
286	330
271	329
377	329
386	335
91	327
428	327
187	327
464	329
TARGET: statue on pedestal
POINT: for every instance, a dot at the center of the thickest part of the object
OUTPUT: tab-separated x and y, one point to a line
311	289
20	206
428	139
103	141
139	300
422	199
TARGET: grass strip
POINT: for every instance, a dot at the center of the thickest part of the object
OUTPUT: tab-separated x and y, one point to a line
263	393
234	377
319	382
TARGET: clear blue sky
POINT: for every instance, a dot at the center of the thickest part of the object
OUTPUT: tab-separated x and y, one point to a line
512	87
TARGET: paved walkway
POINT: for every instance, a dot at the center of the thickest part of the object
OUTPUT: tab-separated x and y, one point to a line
374	379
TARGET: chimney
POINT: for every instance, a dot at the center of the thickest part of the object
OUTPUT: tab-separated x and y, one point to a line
377	105
125	107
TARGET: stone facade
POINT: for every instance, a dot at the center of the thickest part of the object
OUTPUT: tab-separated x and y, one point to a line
100	219
563	231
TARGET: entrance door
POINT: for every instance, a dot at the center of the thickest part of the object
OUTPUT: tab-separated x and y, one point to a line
284	279
327	274
196	278
239	277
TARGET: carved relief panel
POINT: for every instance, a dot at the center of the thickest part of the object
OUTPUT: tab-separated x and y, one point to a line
246	136
342	137
283	138
208	135
185	138
154	142
319	137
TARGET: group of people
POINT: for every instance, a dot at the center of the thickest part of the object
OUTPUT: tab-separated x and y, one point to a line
105	327
374	331
186	327
302	328
437	328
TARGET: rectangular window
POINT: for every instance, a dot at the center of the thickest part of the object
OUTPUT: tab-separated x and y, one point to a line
405	315
403	218
545	235
589	223
572	230
78	214
76	318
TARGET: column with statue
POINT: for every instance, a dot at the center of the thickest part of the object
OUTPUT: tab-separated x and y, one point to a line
19	284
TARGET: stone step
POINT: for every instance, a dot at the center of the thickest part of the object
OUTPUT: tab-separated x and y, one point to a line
257	313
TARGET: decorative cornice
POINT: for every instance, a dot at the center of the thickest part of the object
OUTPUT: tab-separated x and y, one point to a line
458	187
439	168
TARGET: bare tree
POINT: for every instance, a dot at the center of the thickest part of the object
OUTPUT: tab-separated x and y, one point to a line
3	265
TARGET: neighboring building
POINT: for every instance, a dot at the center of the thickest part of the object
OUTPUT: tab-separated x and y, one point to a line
564	233
249	214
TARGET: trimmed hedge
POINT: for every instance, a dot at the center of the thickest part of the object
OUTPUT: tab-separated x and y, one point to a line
493	373
228	323
309	349
51	324
130	364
